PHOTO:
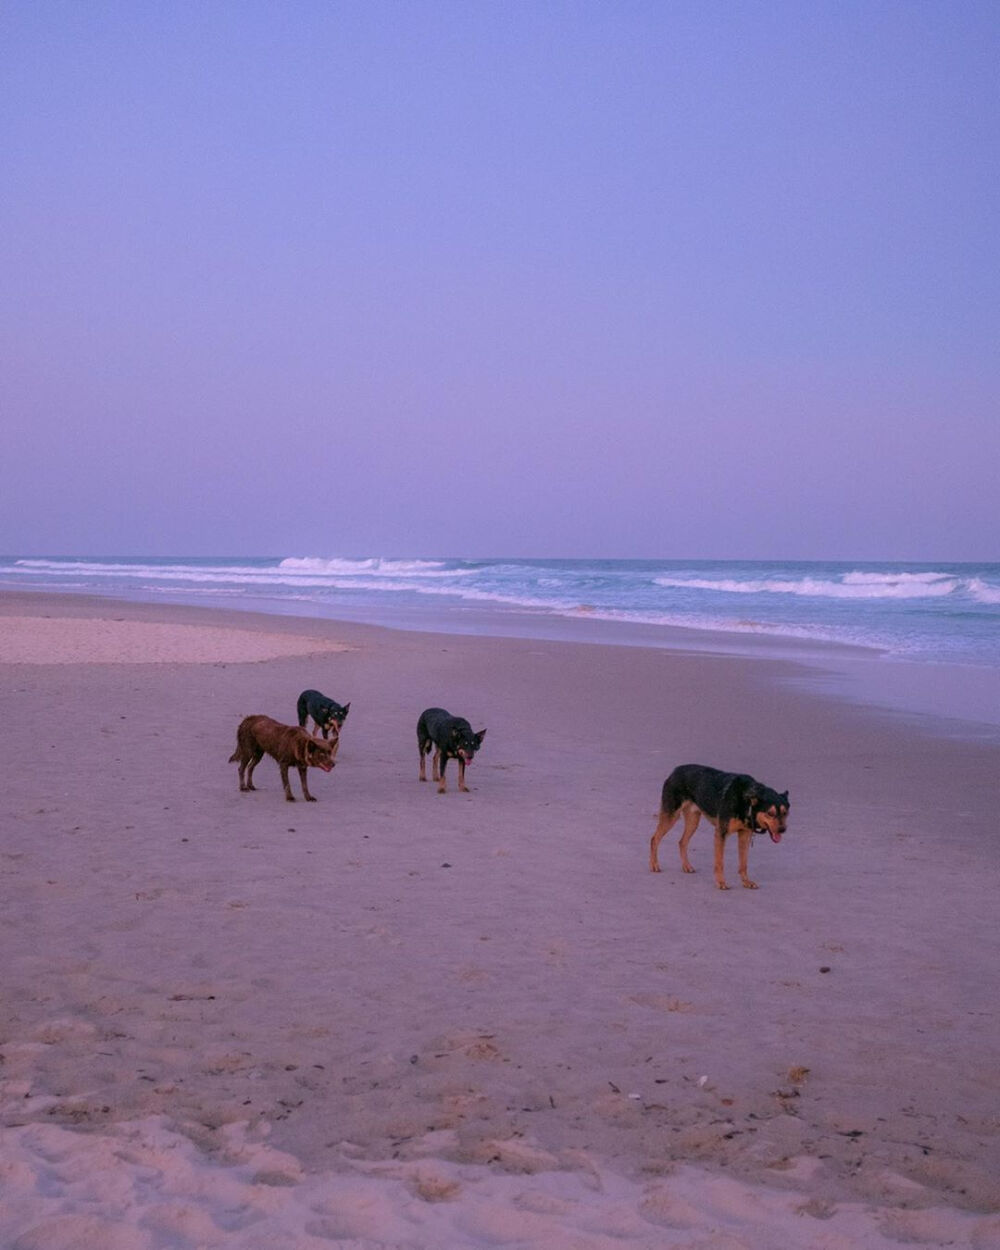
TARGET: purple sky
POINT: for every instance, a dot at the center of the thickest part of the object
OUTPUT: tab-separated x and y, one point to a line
526	278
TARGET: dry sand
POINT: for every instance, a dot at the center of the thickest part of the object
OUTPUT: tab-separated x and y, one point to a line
391	1018
96	640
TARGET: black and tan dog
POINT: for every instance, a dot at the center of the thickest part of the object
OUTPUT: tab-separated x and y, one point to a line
326	713
451	737
290	745
734	802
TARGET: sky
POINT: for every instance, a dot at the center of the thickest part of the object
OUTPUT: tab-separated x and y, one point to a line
702	279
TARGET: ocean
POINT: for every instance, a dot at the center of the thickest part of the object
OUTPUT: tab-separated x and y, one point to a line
913	638
944	613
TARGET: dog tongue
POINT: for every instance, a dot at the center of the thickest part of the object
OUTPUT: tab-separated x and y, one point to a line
775	837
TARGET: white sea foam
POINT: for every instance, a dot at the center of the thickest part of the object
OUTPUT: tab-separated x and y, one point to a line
852	586
942	612
841	635
293	568
135	569
982	592
336	574
894	578
374	566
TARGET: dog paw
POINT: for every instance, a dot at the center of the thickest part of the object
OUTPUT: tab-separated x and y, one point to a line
750	885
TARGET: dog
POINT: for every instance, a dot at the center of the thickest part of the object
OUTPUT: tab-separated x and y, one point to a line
734	802
290	745
451	738
325	712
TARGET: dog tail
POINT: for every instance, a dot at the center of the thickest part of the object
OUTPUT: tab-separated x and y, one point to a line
234	757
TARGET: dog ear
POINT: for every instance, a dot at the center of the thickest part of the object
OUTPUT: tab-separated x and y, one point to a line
479	738
347	708
320	747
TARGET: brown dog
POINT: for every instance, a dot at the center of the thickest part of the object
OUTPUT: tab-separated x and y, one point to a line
291	746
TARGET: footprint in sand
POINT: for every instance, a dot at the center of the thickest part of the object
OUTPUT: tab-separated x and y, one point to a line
660	1002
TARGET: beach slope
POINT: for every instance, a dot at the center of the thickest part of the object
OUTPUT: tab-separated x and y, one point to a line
397	1018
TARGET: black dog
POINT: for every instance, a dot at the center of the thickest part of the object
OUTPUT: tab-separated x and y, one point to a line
326	714
734	802
452	738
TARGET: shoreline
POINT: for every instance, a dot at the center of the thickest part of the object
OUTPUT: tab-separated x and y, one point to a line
944	699
472	1019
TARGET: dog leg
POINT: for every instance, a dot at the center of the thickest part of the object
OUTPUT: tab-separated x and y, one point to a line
436	769
255	759
439	774
284	781
666	823
423	760
745	837
461	775
692	815
720	849
305	785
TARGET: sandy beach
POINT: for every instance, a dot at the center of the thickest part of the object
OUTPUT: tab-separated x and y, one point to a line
393	1018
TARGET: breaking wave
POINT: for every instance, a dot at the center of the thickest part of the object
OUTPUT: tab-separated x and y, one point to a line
927	611
374	566
853	585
